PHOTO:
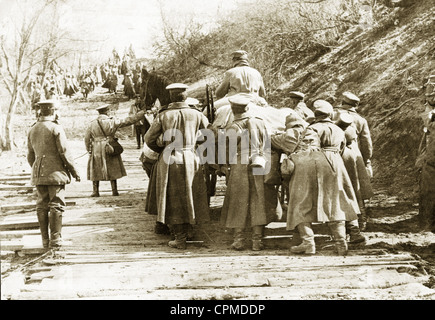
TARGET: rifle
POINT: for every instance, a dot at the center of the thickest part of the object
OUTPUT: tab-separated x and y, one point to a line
210	104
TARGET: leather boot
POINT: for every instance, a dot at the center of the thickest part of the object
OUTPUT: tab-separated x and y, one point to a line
257	234
362	218
114	186
55	228
338	231
95	186
180	233
239	240
308	245
355	236
296	239
42	215
190	232
161	228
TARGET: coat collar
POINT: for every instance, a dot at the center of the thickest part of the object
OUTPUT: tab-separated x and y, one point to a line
178	105
326	120
242	116
348	108
47	118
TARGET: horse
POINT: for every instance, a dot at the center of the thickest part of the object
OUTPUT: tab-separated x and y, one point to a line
153	87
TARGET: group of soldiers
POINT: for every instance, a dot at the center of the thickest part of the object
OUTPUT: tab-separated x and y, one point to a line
327	151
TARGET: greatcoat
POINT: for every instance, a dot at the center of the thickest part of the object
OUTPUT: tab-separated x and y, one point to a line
354	163
48	154
362	129
102	167
248	200
177	191
320	187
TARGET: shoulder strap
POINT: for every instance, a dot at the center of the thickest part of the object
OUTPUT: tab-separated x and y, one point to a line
101	127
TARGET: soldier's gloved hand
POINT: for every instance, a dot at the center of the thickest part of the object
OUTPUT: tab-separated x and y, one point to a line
369	169
77	178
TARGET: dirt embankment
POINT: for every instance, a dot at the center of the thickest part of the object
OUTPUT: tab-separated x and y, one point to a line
386	66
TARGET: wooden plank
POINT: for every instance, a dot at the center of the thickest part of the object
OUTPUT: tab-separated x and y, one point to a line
17	188
282	262
14	178
16	206
16	234
19	226
19	174
14	183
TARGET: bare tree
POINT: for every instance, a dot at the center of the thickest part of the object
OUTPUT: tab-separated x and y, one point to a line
18	60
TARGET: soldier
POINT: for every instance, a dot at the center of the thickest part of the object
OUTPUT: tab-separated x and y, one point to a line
52	168
128	83
357	173
320	178
426	161
297	103
349	105
241	78
178	192
140	127
102	166
249	202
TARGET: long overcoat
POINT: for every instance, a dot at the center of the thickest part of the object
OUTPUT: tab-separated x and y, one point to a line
355	167
320	187
248	200
48	154
361	126
102	167
177	191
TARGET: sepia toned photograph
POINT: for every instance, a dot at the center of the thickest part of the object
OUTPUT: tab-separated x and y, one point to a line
235	152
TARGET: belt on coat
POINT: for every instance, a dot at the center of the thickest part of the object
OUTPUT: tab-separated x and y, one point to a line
331	149
100	139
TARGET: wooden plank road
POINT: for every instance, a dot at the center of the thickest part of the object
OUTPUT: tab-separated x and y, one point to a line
112	252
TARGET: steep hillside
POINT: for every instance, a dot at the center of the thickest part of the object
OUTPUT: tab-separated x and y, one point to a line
386	67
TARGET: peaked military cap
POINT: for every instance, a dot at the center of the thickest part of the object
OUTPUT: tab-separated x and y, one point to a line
296	94
103	107
192	101
239	103
350	98
239	55
48	104
293	120
323	107
345	118
177	86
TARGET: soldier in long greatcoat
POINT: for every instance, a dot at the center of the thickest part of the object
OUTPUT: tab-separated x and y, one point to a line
349	106
249	202
52	167
180	193
103	167
320	187
358	175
